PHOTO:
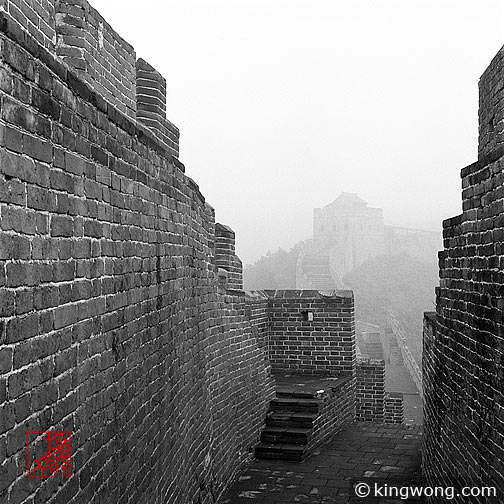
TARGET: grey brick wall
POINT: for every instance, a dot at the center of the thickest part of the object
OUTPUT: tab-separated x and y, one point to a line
491	109
464	339
111	321
87	43
151	105
37	17
370	390
325	344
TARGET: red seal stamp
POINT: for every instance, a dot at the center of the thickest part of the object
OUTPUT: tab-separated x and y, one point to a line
48	456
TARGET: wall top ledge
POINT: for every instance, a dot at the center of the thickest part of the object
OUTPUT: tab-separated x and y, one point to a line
327	295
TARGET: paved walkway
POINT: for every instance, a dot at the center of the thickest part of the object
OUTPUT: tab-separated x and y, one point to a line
385	453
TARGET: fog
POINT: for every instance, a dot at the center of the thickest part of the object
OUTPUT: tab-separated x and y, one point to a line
283	104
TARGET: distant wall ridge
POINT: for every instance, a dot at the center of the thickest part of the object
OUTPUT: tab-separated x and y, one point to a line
346	233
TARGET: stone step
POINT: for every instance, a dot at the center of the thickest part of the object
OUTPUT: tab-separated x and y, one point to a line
286	435
294	404
291	419
295	393
281	451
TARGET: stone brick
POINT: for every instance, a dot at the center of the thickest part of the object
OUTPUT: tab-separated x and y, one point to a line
21	90
6	303
12	191
18	59
65	315
21	328
41	199
5	80
62	226
21	274
12	139
20	247
24	301
37	149
5	360
24	381
18	219
7	419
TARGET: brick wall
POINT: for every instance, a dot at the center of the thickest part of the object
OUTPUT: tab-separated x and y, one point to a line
111	324
151	104
37	17
491	109
229	266
80	36
325	344
99	55
336	411
394	408
464	339
370	390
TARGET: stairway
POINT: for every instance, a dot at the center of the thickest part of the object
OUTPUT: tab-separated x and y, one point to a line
289	423
374	350
315	265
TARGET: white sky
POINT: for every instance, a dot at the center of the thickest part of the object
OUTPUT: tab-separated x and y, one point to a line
283	104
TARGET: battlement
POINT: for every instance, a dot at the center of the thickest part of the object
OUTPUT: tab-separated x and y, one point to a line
80	37
462	353
491	108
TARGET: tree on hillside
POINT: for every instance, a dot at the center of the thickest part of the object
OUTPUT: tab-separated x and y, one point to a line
399	283
276	270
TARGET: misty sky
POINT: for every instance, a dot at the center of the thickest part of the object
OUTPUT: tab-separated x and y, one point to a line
283	104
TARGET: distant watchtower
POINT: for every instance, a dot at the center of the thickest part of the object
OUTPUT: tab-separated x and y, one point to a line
345	234
349	224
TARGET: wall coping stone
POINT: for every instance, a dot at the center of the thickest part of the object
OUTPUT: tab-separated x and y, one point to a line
362	361
481	163
300	293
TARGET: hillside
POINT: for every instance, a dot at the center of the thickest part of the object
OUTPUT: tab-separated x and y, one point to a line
399	283
388	282
275	270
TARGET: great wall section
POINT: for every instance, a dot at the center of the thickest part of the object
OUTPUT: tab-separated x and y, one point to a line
346	233
123	318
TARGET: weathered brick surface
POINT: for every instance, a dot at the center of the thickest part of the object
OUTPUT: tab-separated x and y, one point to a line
37	17
229	266
325	344
80	36
394	408
463	358
336	411
151	104
491	109
111	322
370	390
87	43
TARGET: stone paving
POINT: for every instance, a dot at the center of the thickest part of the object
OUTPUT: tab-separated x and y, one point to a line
384	454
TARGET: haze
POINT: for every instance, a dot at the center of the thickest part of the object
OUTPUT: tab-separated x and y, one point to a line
283	104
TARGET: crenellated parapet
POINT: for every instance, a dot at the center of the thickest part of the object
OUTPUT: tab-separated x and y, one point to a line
229	266
151	104
463	339
78	35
